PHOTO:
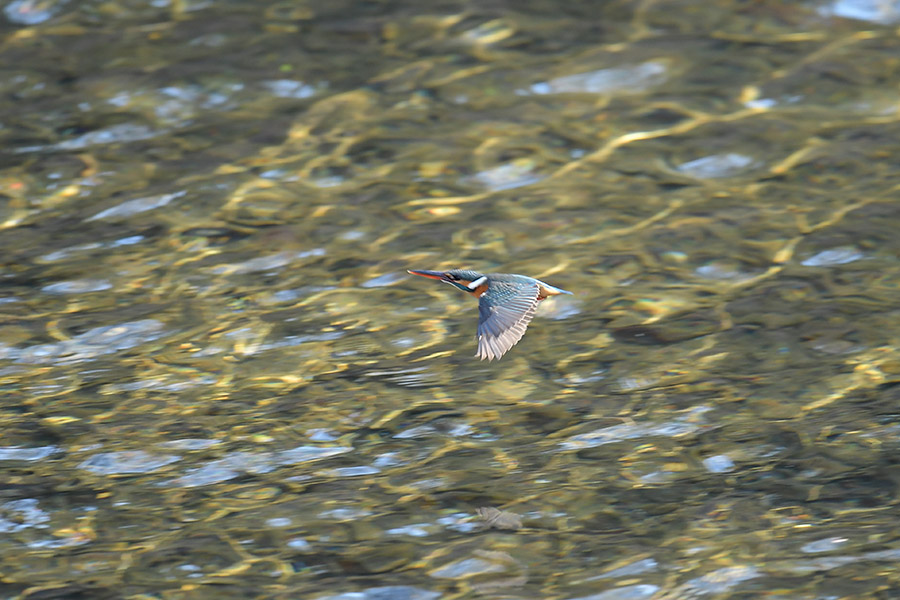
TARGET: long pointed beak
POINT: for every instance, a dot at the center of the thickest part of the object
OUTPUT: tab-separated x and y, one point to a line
429	274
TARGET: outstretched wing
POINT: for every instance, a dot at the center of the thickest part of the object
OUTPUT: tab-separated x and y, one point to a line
504	311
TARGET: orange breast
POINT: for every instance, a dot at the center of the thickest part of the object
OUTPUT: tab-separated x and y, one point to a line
477	292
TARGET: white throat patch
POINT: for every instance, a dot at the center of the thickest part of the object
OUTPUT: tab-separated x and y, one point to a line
474	285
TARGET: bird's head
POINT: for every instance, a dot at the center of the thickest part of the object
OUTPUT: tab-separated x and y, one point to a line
467	281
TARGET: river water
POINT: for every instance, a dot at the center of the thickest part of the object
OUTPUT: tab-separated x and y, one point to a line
218	380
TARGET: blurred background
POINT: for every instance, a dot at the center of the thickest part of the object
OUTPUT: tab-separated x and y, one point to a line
218	380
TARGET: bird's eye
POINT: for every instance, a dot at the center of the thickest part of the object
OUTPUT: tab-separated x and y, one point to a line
452	276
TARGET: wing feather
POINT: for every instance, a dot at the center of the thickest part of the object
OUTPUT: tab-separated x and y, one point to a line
505	310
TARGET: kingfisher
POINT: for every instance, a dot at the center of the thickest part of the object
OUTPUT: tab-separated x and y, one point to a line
506	305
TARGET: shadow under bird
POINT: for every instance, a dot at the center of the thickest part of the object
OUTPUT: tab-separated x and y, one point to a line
506	305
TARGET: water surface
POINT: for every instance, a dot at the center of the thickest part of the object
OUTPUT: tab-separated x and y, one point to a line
219	382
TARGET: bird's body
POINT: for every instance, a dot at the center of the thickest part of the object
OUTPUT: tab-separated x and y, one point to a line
506	305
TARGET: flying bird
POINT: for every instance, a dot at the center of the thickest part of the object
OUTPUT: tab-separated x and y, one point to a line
506	305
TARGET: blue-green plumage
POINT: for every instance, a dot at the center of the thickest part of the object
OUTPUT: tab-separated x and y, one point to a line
506	305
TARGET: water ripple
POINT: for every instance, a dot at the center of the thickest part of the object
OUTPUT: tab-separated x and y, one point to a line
384	280
717	165
77	286
628	592
27	454
190	444
720	581
834	256
874	11
111	135
32	12
391	592
290	88
138	205
67	252
630	78
238	463
267	263
127	461
629	431
635	568
94	342
25	513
